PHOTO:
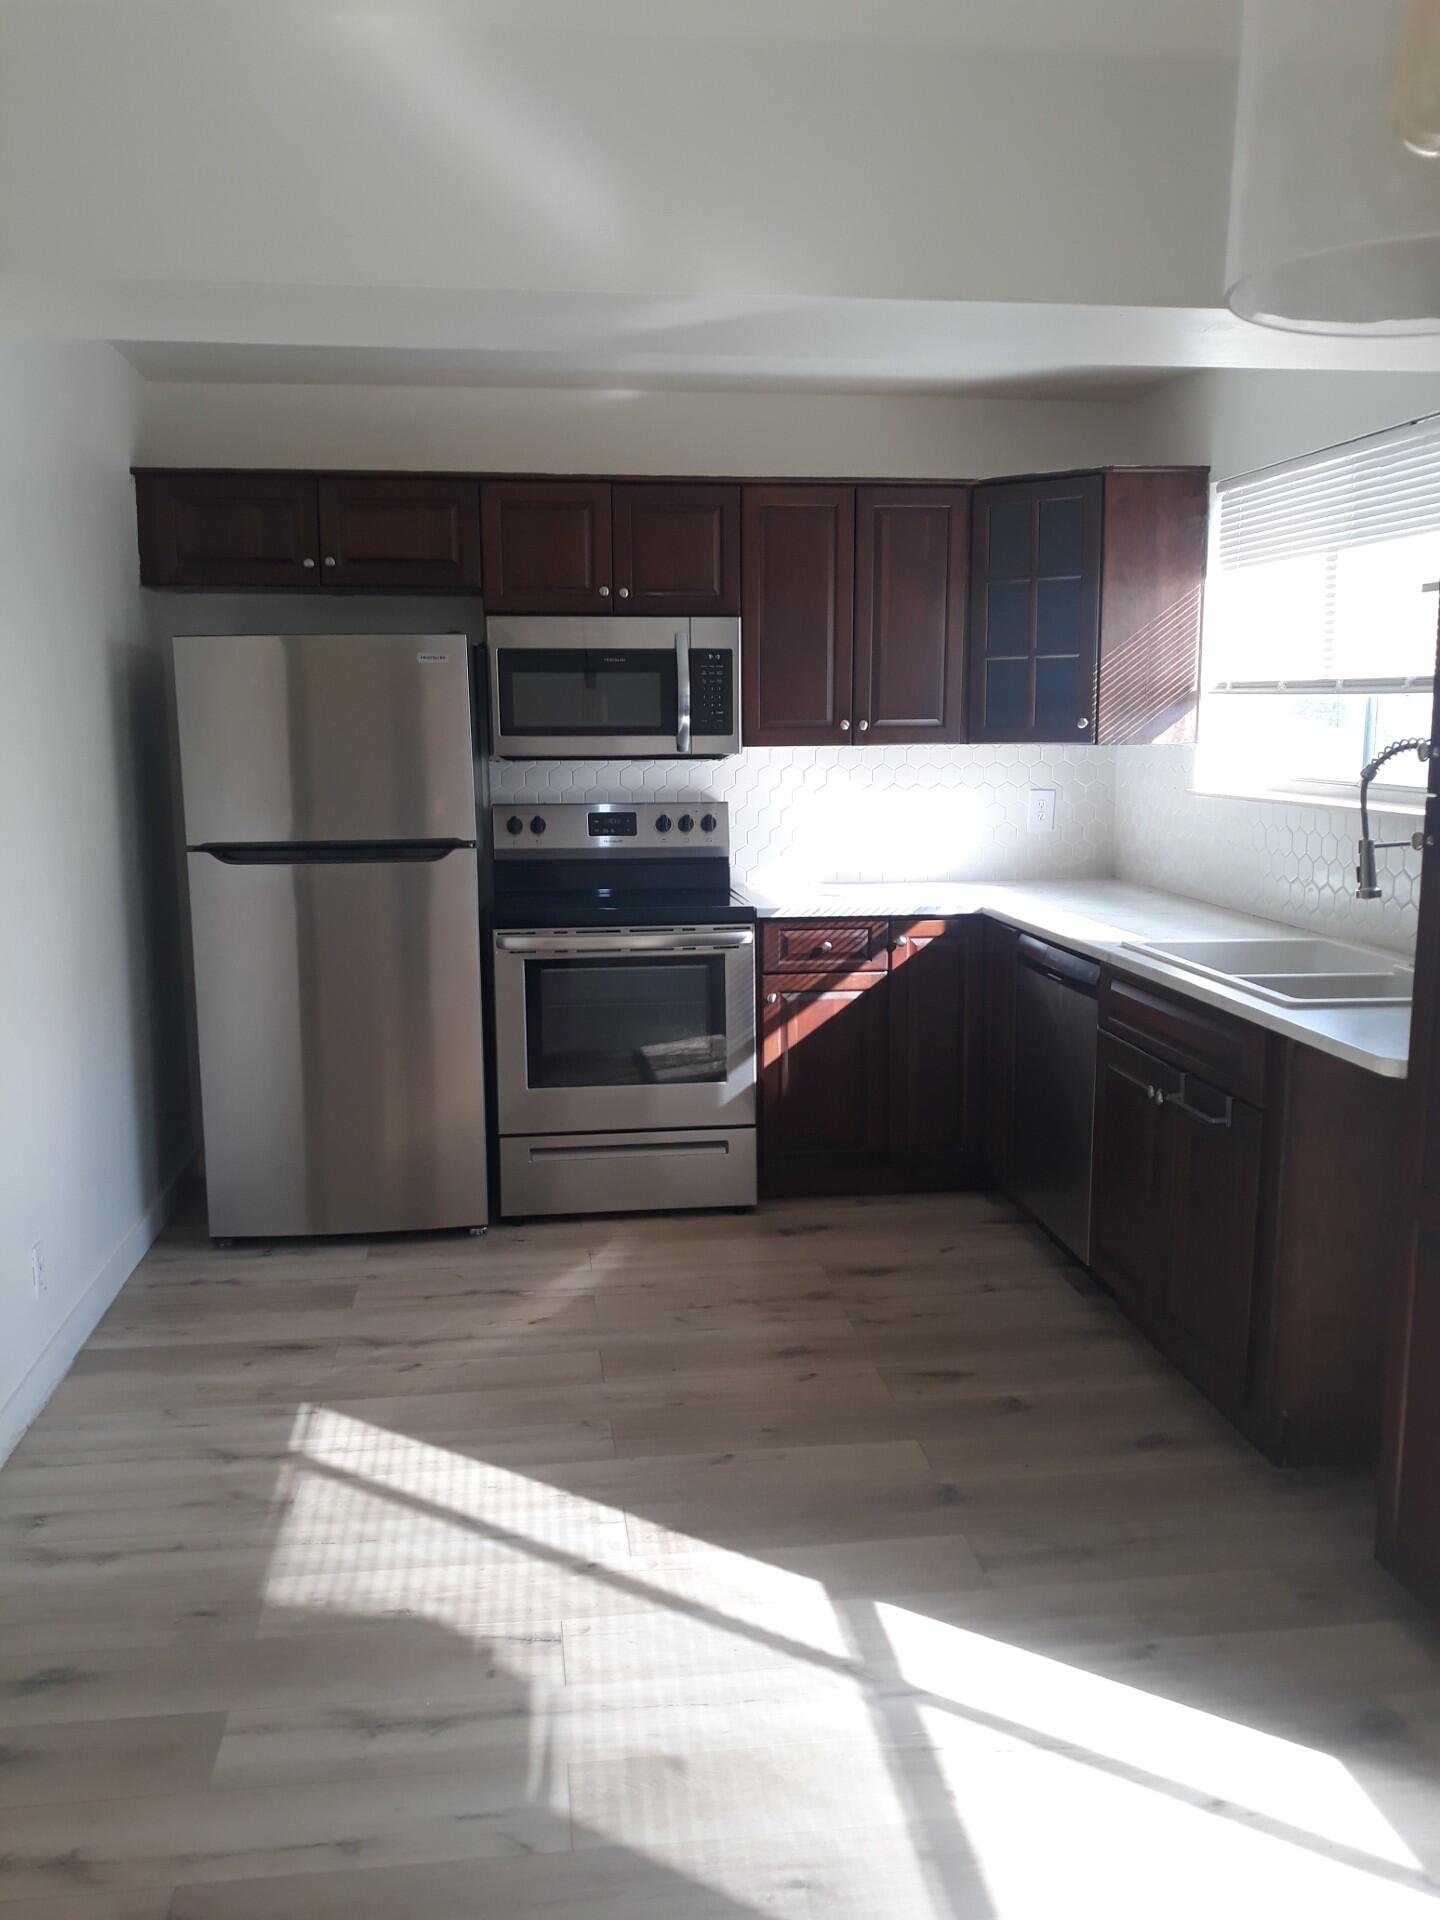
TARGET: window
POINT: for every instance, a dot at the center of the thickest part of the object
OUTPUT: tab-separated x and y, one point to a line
1319	642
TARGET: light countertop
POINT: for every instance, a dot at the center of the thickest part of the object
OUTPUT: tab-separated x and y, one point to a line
1098	918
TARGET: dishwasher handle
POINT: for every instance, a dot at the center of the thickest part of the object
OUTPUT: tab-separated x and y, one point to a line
1058	963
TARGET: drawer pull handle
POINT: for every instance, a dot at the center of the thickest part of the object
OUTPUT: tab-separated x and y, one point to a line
1225	1119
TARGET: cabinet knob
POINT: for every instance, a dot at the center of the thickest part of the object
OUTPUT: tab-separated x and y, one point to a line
826	945
844	726
771	999
864	726
308	561
604	593
329	559
1083	722
624	593
901	940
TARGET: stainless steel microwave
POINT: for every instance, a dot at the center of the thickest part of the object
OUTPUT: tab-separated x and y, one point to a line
570	688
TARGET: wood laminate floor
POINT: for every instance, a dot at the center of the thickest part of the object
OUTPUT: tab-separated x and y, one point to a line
847	1559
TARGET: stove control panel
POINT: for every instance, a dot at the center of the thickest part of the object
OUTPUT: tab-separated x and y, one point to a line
661	827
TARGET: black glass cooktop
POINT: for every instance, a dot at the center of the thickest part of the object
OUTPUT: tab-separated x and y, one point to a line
596	892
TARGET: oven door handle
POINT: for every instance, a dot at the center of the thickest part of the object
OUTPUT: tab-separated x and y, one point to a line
722	940
682	689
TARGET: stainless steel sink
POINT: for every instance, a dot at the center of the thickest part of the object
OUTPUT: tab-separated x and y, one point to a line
1293	970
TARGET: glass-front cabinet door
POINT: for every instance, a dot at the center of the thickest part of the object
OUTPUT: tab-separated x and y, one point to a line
1035	609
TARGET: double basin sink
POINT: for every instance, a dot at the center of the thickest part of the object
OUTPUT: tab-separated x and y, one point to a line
1293	972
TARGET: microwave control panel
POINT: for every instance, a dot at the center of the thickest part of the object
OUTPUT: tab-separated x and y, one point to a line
712	690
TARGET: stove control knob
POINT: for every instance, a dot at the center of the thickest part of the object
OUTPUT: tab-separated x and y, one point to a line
685	823
662	823
537	825
514	824
709	823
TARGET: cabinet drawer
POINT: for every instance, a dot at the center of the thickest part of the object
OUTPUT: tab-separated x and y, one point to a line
812	944
1197	1039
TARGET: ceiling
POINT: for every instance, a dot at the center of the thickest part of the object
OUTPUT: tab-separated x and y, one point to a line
947	196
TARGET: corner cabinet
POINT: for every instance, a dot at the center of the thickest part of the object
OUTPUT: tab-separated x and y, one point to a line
1085	597
869	1062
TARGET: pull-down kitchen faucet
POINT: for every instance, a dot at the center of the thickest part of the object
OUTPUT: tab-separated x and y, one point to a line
1367	886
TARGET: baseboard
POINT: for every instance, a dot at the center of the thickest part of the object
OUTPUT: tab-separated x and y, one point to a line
28	1399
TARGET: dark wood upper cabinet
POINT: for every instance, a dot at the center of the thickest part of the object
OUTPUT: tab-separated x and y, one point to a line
228	530
400	531
677	549
1085	606
546	546
1152	579
798	551
1035	609
911	558
936	1088
824	1080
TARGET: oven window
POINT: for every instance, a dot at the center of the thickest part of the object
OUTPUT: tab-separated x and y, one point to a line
625	1023
587	690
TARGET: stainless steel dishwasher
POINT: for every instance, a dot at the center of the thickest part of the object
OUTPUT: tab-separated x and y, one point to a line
1056	1022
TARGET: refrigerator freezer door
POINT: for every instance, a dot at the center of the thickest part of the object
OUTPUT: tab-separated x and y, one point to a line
317	737
341	1045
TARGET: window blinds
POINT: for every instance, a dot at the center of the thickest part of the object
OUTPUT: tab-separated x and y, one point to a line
1317	571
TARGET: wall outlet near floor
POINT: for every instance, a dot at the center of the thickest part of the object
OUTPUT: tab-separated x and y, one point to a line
39	1278
1040	810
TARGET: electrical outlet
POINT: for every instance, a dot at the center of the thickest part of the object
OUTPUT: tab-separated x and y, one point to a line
39	1279
1040	810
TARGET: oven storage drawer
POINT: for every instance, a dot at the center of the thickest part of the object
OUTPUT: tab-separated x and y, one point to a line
627	1172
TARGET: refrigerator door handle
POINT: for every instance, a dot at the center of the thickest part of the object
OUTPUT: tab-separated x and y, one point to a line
333	853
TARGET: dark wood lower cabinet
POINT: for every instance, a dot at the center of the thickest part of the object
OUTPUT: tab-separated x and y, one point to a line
999	951
870	1071
1131	1175
1206	1296
1251	1239
936	1087
824	1060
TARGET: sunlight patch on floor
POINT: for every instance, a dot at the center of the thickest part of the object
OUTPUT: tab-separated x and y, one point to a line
1063	1790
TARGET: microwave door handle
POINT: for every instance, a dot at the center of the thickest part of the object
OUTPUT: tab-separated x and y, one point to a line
682	689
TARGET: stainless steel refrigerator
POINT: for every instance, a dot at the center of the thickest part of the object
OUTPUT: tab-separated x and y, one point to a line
330	826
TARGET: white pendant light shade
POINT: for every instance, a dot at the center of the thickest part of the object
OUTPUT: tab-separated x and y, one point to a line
1335	199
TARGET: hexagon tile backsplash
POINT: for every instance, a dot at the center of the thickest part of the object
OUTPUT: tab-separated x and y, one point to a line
803	815
1290	863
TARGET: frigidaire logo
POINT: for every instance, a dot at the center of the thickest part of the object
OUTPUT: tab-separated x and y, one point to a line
612	659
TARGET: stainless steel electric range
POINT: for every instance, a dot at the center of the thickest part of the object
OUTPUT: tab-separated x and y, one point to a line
624	1010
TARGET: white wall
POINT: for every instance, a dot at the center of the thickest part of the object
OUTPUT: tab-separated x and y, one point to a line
93	1126
1234	421
1286	862
576	430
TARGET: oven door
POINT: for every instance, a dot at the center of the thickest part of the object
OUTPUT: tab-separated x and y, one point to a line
629	1028
588	689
